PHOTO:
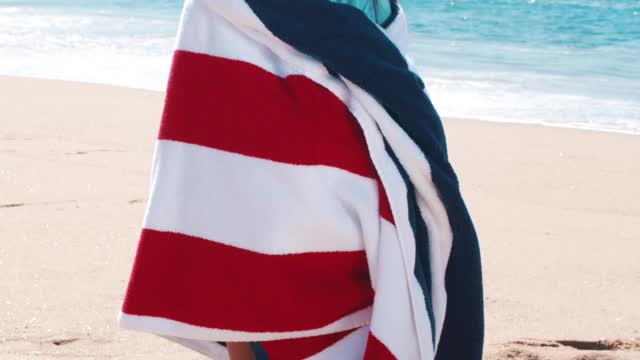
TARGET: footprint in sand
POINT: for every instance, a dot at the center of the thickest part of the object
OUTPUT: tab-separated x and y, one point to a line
531	349
605	344
516	354
596	357
59	342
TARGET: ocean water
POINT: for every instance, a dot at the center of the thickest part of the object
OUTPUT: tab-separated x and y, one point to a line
569	63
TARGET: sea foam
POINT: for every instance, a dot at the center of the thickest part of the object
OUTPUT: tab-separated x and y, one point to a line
565	63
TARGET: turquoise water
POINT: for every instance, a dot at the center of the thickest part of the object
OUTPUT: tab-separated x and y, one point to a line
126	43
560	62
564	62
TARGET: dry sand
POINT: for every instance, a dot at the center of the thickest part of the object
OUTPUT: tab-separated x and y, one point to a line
557	210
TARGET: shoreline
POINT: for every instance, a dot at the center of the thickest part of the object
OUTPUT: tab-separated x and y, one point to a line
555	210
634	132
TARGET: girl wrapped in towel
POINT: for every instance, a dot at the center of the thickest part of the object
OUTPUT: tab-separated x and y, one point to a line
302	201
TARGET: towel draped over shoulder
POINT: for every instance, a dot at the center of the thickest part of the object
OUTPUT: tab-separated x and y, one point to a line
302	198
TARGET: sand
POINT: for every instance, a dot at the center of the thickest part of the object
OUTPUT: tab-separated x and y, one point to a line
557	210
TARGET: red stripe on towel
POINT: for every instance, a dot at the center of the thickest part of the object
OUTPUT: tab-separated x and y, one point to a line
204	283
239	107
376	350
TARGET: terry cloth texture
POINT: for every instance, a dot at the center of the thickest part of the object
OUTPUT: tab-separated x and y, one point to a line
302	198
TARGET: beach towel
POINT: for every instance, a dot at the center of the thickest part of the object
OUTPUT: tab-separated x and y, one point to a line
302	198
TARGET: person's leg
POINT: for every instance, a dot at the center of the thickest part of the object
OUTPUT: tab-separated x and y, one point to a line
240	351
